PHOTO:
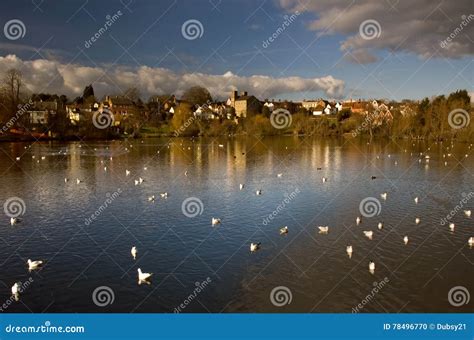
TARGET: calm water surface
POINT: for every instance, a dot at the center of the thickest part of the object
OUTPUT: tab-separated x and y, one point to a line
181	251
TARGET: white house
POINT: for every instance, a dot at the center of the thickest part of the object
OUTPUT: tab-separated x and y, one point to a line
338	106
270	106
327	110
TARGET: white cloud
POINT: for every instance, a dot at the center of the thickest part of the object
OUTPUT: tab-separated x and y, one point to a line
418	27
42	75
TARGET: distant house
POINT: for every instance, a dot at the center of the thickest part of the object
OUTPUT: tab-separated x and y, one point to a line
270	106
311	105
40	111
119	105
328	109
361	107
338	106
318	110
245	104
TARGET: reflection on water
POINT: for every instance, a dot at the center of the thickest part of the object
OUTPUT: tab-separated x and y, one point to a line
198	267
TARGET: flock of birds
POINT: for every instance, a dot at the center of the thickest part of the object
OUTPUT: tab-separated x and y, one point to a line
254	246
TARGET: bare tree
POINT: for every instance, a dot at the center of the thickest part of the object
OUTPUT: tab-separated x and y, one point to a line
13	82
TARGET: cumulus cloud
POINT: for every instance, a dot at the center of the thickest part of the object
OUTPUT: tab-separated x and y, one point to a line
421	27
51	76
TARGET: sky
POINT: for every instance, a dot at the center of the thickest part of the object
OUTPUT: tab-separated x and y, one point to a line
275	49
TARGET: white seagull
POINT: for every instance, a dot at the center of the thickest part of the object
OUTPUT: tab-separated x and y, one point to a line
358	220
384	196
470	241
349	251
258	192
254	246
451	226
143	277
127	172
324	179
134	252
467	213
164	195
380	225
16	290
417	220
279	175
151	198
215	221
371	267
78	181
369	234
284	230
416	200
32	265
323	230
241	186
405	240
14	220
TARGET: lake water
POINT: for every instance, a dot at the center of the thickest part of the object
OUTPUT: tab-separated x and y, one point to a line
207	268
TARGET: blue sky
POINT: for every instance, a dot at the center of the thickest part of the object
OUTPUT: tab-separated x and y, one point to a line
232	37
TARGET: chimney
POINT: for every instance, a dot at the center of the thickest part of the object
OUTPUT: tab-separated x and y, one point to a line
244	93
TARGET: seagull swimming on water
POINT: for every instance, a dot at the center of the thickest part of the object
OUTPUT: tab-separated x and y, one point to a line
215	221
405	240
133	251
369	234
32	265
470	241
384	196
16	291
358	220
254	246
380	225
417	220
143	277
349	251
323	230
241	186
451	226
416	200
467	213
284	230
371	266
